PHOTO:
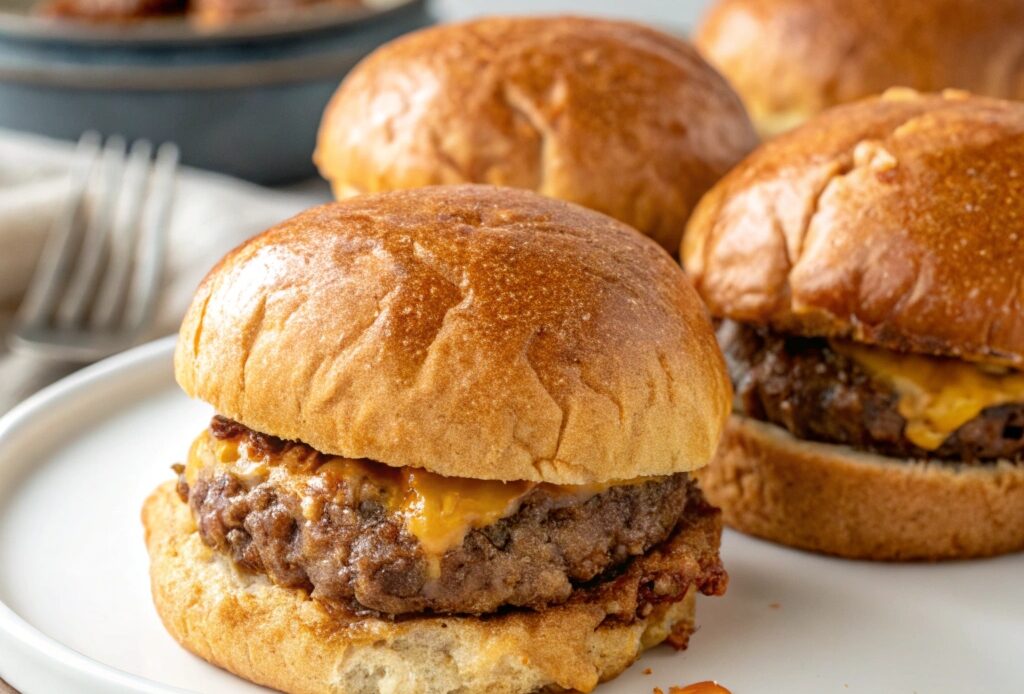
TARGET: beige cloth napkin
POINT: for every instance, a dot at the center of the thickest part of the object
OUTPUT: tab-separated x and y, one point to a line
211	214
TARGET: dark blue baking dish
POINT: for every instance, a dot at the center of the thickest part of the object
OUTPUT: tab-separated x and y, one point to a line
244	100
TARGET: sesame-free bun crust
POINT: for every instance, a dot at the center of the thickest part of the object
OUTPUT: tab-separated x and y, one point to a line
896	221
833	499
469	330
611	115
283	639
790	59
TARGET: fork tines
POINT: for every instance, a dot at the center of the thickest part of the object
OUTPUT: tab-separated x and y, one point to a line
96	285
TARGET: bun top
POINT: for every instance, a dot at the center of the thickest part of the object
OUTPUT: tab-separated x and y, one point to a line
611	115
468	330
790	59
896	221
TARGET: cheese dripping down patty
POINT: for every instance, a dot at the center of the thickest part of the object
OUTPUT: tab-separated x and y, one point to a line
936	395
438	511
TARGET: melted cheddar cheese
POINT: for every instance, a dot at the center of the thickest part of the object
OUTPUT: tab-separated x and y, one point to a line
438	511
936	396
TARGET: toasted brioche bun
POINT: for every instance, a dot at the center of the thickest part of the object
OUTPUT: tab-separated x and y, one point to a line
833	499
611	115
897	221
790	59
283	639
468	330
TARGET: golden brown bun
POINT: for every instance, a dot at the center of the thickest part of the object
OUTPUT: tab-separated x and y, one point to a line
469	330
283	639
836	500
790	59
896	221
611	115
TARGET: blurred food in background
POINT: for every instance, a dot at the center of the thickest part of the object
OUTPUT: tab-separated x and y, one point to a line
203	11
790	59
108	10
612	115
242	98
217	11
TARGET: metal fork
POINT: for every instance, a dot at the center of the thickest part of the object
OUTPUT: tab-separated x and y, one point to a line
98	279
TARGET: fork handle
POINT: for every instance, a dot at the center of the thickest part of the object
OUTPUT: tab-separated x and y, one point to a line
21	375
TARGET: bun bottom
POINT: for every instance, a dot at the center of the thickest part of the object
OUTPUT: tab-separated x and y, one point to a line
283	639
833	499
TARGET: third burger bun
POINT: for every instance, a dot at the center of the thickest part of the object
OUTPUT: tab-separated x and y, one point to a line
611	115
790	59
477	332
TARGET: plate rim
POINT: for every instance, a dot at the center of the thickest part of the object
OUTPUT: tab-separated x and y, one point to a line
12	626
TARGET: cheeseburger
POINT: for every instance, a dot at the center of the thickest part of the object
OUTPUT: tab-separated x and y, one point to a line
611	115
790	59
452	450
868	270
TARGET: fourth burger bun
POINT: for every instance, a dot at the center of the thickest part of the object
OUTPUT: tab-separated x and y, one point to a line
791	59
612	115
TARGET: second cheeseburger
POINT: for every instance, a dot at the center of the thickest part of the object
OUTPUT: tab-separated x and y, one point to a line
868	270
462	421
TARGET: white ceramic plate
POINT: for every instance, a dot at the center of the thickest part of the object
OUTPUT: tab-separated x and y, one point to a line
77	461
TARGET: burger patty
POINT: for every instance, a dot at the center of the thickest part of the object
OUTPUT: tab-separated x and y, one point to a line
803	385
356	551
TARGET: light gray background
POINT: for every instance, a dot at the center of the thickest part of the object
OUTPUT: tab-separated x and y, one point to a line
680	15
